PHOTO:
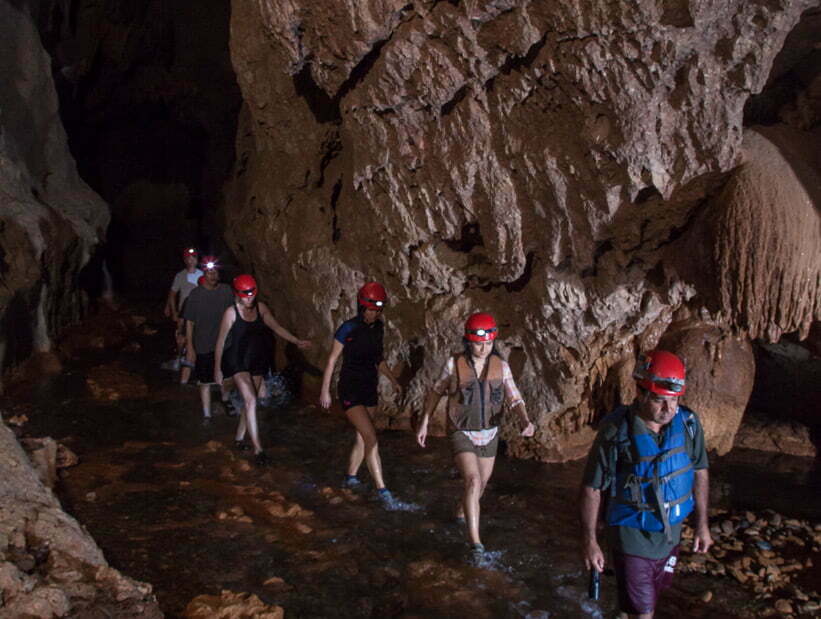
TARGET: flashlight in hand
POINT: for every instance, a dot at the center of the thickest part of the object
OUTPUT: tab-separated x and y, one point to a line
594	586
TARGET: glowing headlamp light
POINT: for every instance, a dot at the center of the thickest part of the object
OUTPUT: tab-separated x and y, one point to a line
482	332
210	265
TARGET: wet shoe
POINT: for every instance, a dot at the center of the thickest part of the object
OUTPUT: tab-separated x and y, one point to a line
352	482
477	552
242	446
261	459
206	422
386	498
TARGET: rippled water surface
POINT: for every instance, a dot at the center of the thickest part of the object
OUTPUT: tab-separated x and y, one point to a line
170	502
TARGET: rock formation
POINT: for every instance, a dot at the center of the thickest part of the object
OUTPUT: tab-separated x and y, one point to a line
49	219
547	162
49	565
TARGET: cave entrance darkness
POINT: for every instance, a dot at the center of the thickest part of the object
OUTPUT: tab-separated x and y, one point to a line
150	103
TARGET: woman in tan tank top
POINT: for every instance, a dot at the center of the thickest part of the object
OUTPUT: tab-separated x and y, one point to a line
477	383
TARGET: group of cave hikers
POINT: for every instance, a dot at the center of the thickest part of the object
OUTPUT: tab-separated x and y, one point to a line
648	460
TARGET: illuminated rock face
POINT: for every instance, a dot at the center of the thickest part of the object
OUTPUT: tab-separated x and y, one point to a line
547	162
72	578
49	219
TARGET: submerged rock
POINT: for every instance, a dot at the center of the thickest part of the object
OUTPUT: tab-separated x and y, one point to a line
230	605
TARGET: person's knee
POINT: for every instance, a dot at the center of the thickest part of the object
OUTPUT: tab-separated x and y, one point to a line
473	482
249	400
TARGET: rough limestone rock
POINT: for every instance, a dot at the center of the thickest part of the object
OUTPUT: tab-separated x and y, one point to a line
535	160
49	565
758	249
229	605
49	218
720	374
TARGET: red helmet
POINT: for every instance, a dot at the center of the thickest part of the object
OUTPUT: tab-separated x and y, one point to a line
208	262
661	372
245	286
372	296
201	280
481	327
190	251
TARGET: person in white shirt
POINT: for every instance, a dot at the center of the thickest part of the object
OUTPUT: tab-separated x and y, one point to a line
184	282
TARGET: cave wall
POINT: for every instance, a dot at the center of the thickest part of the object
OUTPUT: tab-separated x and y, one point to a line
49	218
544	161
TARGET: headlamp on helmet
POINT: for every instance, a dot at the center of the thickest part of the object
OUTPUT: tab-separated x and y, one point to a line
209	262
481	327
372	296
245	286
661	372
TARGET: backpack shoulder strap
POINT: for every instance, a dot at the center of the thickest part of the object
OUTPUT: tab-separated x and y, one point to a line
613	446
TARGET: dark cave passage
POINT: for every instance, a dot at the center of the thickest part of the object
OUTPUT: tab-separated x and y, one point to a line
150	103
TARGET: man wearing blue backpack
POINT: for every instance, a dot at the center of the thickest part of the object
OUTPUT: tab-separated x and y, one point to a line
650	464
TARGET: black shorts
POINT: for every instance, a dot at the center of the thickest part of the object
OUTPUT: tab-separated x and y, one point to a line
204	368
358	393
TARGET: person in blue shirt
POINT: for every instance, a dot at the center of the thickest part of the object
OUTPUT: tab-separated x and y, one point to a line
359	342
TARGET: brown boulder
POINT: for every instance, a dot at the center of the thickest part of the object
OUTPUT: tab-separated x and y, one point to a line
720	374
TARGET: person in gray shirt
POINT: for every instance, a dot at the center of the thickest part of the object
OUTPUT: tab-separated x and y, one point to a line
202	313
184	282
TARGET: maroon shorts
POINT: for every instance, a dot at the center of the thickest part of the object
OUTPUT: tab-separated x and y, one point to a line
641	580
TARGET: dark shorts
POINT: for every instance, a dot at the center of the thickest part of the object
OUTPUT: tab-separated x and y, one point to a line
358	393
460	443
640	581
204	368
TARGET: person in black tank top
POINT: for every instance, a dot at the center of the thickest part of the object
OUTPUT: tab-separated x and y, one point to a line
243	352
359	342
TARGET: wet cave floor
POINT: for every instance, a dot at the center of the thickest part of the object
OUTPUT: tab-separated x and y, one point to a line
172	503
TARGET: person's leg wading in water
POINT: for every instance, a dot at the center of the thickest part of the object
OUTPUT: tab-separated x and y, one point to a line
366	446
475	473
247	386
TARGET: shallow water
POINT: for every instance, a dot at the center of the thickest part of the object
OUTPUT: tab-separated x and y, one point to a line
171	503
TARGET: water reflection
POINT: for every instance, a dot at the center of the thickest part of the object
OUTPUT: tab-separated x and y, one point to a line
173	504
